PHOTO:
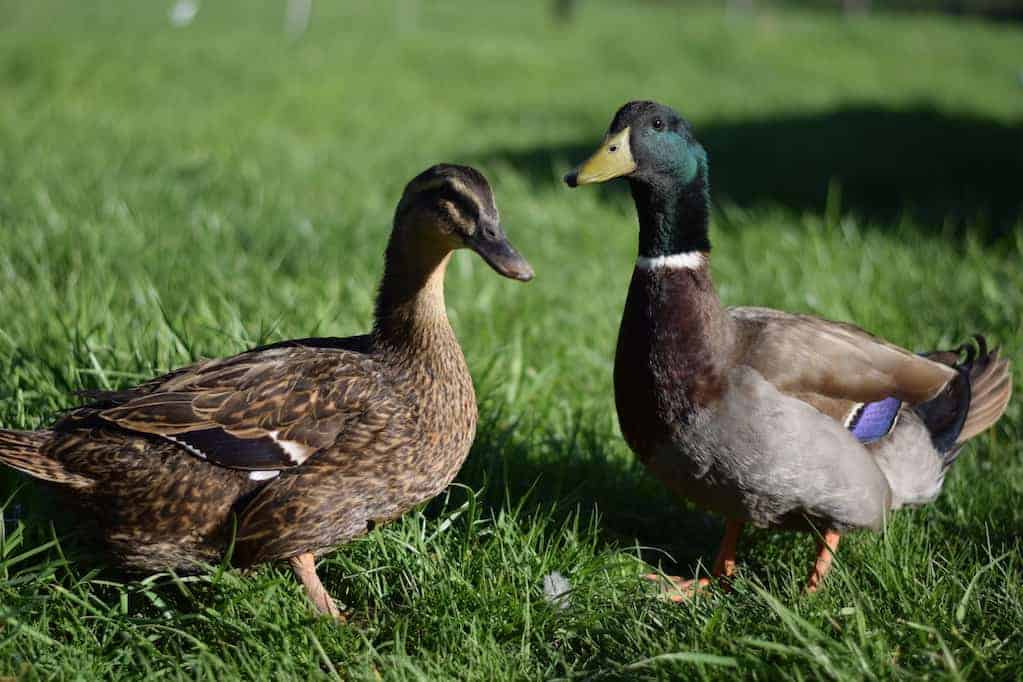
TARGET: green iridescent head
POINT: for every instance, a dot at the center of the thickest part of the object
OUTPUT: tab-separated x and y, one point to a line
653	147
646	142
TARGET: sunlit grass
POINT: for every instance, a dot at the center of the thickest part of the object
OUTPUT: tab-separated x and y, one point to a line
170	194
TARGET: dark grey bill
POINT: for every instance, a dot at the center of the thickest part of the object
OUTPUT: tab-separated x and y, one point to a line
493	246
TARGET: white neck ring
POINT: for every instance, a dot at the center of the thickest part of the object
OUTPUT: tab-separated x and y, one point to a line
690	260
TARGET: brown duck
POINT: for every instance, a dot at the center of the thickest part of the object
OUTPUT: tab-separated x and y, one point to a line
779	420
295	448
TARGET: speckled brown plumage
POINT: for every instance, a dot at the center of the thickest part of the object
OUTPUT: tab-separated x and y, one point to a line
297	447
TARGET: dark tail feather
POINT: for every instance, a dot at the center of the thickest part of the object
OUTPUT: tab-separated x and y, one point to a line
992	387
971	402
21	450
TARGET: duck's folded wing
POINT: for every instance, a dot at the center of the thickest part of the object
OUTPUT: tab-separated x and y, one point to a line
832	365
270	409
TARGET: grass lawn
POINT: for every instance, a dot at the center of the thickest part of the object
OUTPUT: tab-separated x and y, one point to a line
168	194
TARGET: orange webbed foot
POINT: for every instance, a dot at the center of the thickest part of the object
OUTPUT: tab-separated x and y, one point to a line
825	553
678	589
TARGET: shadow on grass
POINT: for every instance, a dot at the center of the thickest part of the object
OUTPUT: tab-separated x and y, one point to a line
878	164
586	472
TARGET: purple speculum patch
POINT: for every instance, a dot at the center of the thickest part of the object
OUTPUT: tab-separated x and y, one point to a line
875	420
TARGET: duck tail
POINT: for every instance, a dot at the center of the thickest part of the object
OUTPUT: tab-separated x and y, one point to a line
22	450
972	402
991	388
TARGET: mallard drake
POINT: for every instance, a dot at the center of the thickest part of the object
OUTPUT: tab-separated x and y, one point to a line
294	448
769	418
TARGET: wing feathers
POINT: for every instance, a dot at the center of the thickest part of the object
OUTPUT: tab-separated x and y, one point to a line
801	354
224	448
835	366
263	410
157	413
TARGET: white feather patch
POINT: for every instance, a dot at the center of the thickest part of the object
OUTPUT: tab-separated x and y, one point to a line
690	260
263	475
195	451
557	589
853	413
297	452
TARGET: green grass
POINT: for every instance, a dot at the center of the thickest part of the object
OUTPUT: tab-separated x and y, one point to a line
169	194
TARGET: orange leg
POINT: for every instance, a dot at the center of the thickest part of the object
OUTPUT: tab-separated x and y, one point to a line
724	566
825	552
304	566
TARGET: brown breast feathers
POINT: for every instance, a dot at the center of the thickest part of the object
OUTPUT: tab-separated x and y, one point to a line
673	349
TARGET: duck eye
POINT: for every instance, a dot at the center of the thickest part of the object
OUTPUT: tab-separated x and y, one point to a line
658	124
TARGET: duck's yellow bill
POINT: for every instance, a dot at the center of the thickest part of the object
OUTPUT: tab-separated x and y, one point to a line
612	160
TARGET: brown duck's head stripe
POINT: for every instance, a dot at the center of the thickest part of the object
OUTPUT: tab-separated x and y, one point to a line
459	194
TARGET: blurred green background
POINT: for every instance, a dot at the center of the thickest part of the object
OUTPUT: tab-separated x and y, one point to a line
188	180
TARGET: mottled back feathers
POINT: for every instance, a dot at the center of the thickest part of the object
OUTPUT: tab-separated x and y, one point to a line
269	409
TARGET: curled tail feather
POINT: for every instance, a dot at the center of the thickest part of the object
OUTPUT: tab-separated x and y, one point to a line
990	388
22	450
972	402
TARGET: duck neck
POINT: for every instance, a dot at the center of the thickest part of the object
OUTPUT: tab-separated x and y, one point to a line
674	213
675	337
411	320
